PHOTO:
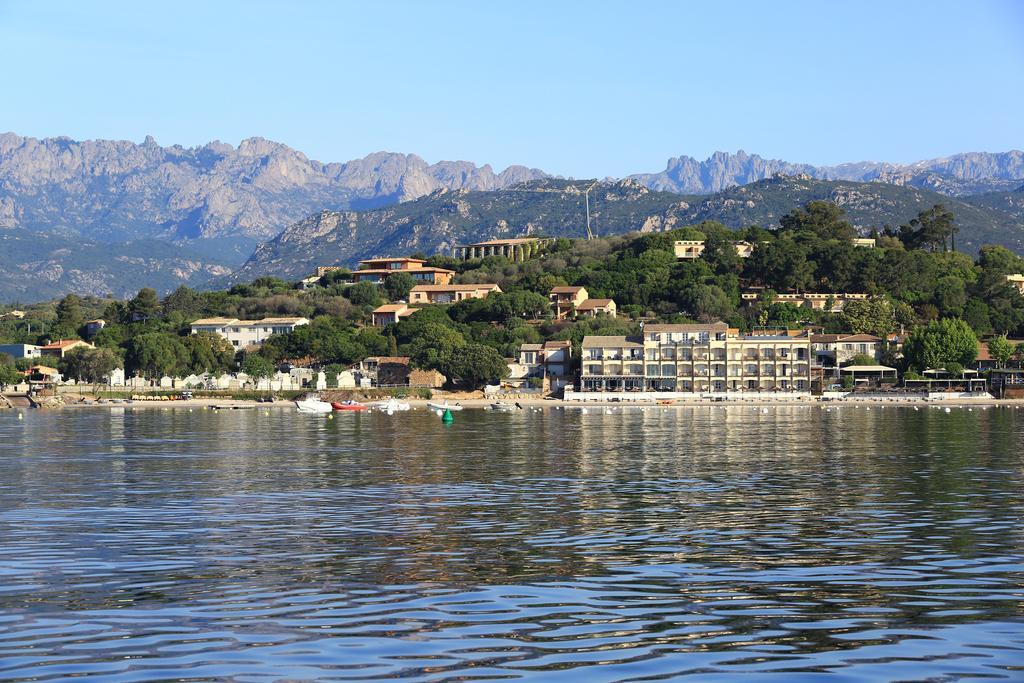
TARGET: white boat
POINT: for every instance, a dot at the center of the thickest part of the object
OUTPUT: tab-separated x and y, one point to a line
445	406
313	405
392	405
503	407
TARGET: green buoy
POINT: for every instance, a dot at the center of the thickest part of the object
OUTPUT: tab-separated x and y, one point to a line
447	418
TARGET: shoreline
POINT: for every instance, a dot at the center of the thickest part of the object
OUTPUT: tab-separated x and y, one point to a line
483	403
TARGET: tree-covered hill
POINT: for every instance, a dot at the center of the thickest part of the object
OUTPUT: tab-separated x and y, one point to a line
867	206
445	219
442	220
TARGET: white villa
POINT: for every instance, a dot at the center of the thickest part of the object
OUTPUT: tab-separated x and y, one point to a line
243	333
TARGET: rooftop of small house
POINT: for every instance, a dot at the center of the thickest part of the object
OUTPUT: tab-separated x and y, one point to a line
594	303
453	288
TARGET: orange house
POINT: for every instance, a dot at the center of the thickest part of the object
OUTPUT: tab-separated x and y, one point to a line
378	269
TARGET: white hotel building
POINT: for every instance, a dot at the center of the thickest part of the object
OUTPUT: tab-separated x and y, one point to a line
688	359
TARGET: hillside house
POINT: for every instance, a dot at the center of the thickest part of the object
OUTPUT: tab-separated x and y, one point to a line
566	299
595	307
687	250
378	269
20	350
59	349
390	314
449	294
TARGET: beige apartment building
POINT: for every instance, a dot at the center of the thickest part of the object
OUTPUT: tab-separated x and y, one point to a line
834	350
696	358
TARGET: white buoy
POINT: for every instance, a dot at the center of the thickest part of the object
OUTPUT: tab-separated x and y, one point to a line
948	410
20	416
583	410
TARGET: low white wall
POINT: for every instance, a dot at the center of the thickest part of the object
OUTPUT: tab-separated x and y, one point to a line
957	395
653	396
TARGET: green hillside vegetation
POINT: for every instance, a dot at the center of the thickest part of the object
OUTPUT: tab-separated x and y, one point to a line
913	277
444	219
556	208
868	206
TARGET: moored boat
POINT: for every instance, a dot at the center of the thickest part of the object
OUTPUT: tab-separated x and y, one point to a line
312	404
349	406
392	405
445	406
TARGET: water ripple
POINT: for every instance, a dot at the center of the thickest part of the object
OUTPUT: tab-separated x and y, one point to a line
633	546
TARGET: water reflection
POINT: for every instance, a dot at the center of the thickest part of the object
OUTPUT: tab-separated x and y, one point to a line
710	541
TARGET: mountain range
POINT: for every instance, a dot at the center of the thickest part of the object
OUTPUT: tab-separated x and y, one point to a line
957	176
115	191
194	214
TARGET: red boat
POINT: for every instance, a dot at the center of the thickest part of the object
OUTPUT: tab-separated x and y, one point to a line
348	405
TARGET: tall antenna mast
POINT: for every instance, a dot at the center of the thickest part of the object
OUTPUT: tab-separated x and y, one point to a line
586	197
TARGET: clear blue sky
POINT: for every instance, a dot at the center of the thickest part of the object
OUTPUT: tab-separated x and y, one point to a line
582	89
